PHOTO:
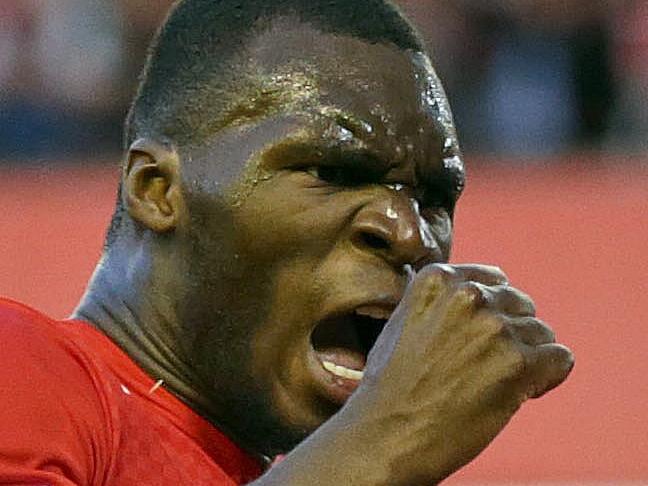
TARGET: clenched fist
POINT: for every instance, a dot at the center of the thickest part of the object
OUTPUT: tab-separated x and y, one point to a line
459	356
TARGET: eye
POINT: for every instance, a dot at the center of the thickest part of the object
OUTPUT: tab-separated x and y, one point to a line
438	200
341	175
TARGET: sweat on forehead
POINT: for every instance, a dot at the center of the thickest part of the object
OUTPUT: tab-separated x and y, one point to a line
198	59
290	69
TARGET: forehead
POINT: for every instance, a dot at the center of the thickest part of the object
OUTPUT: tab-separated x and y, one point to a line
381	84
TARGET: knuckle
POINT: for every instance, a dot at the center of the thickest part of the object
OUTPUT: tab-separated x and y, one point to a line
549	332
533	327
493	274
469	294
472	292
545	333
517	363
498	271
529	303
442	271
523	299
505	329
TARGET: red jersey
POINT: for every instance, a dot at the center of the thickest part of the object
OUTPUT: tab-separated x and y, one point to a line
76	410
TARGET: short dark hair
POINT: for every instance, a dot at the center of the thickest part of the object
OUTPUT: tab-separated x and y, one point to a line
192	62
200	39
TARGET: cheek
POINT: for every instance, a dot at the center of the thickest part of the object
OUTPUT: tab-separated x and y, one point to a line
279	222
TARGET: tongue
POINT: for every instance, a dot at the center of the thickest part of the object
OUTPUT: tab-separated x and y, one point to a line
353	360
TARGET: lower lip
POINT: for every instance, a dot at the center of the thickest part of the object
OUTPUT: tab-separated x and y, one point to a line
334	388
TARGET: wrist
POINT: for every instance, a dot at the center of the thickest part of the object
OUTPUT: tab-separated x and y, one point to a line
340	452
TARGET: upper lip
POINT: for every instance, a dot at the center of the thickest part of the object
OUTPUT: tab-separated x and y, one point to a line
375	311
385	304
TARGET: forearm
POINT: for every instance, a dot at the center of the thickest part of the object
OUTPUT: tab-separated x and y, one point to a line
336	454
356	448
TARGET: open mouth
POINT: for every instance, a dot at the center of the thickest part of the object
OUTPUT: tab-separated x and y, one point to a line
342	343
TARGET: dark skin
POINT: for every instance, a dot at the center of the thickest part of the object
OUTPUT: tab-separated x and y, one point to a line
341	198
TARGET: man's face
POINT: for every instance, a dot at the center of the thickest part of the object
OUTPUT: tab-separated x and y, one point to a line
299	261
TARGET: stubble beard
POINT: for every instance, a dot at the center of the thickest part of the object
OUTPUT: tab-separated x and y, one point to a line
224	307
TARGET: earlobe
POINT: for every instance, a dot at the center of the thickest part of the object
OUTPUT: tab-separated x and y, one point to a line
151	185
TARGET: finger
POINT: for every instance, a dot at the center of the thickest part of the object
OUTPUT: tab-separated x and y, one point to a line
470	297
509	300
531	331
501	298
549	366
484	274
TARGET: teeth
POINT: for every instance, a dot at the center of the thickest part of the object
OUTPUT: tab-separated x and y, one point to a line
373	312
343	372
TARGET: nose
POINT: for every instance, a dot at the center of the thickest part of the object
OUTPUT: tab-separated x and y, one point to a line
392	229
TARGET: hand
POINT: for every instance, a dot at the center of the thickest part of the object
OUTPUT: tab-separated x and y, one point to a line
459	356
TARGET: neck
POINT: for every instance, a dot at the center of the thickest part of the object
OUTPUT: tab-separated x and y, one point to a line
123	302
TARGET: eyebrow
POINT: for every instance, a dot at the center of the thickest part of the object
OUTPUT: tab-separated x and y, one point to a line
305	152
358	128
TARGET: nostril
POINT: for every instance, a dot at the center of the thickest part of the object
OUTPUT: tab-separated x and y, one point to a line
374	241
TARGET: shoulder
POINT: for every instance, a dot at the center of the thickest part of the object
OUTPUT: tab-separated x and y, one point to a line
20	323
44	346
29	340
51	393
41	356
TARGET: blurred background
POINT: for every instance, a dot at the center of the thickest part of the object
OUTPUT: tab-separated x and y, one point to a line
526	78
550	99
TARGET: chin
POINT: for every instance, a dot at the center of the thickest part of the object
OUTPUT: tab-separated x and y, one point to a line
270	436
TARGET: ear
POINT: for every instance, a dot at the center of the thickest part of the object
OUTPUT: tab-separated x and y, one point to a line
151	186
